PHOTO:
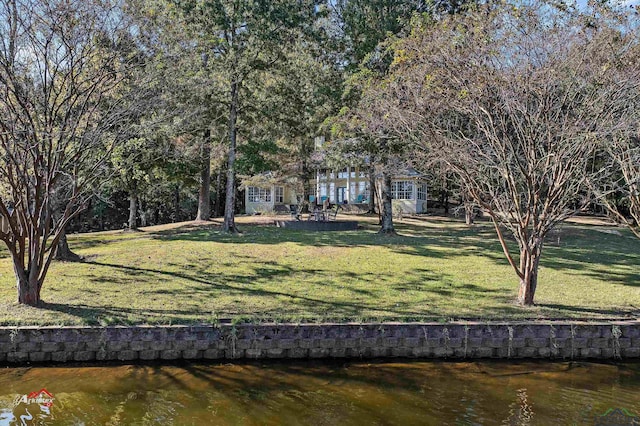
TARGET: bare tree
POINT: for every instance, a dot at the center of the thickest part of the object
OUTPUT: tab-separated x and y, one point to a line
622	178
515	100
62	107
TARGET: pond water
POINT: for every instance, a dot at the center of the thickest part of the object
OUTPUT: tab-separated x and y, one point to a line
328	393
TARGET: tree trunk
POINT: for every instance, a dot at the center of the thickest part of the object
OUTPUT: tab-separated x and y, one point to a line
529	261
217	202
204	196
372	190
26	282
387	207
176	203
468	209
133	210
63	252
468	214
306	188
28	292
142	206
229	212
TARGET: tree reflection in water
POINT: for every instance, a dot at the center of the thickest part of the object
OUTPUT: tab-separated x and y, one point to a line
348	393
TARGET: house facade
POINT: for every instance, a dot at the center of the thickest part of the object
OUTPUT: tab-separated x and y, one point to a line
262	200
349	185
346	186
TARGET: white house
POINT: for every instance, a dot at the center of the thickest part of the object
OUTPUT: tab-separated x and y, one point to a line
267	199
349	185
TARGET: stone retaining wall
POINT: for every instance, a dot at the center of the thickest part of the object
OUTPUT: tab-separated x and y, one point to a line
552	340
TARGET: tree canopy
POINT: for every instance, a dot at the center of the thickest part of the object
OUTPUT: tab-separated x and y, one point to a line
528	110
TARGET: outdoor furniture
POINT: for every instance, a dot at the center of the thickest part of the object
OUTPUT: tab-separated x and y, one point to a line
281	209
317	214
331	214
293	210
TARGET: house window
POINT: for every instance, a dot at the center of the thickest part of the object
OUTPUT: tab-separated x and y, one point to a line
279	196
402	190
259	195
363	192
422	191
323	190
343	174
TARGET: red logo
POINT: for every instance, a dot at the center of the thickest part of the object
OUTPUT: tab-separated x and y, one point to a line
42	397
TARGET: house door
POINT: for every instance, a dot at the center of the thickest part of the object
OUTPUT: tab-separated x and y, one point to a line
341	194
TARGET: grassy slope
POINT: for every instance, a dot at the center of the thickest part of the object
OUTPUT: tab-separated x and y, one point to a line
436	270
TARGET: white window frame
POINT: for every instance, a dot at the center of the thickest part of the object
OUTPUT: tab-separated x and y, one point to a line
258	195
279	195
402	190
421	191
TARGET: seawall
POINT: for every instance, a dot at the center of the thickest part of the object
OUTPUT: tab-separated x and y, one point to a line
458	340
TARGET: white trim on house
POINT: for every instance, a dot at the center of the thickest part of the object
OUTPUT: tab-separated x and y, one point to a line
263	200
350	184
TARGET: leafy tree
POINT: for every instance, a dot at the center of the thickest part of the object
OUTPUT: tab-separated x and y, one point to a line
363	24
376	141
369	28
242	38
295	98
194	86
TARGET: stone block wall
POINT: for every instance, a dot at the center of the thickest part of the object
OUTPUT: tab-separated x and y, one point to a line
542	340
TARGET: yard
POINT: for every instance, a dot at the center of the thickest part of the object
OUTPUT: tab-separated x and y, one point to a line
437	269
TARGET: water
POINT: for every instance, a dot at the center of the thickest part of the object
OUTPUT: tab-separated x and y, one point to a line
354	393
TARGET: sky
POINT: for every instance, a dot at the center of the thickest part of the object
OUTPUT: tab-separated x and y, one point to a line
583	3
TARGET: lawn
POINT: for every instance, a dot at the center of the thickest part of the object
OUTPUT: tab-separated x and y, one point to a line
436	269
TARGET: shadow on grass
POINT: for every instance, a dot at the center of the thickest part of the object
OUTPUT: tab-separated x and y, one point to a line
207	283
584	311
580	249
337	302
106	315
575	247
606	257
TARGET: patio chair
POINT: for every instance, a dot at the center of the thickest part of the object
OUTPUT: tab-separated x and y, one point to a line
293	210
333	212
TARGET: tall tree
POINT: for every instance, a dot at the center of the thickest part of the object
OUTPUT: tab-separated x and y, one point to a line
194	85
294	99
368	29
62	106
242	37
363	24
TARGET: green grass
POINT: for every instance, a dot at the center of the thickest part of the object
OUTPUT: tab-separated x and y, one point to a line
436	270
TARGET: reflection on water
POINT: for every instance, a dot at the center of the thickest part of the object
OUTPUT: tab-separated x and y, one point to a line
356	393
